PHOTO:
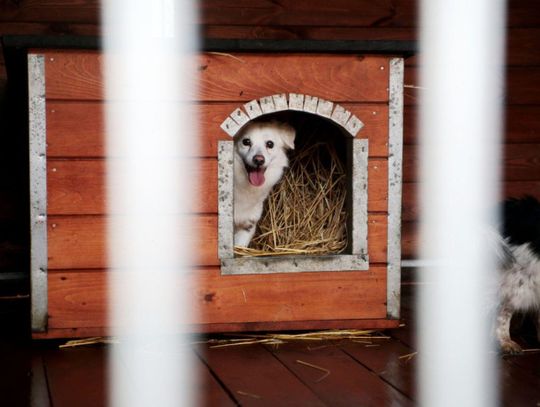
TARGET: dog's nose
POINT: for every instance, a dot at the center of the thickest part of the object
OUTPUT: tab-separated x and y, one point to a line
258	160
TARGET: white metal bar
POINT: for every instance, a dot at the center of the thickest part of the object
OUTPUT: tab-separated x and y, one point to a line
462	57
149	77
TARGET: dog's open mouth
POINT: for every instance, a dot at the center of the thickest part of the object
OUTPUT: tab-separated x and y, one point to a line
255	175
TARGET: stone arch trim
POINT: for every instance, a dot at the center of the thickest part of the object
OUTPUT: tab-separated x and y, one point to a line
293	101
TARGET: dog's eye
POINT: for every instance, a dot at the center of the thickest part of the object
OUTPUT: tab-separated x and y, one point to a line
246	142
269	144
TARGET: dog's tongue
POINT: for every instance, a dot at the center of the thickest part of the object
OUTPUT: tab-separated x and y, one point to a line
256	177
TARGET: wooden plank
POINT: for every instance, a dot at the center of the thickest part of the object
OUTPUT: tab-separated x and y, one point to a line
523	13
22	370
263	326
256	378
327	76
73	75
47	28
348	383
77	298
529	362
518	386
77	377
208	392
522	86
511	189
522	125
76	129
410	240
263	13
298	32
242	77
77	187
313	13
52	11
57	333
78	242
520	163
387	362
520	43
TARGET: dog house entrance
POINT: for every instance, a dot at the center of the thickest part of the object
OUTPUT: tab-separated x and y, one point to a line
326	143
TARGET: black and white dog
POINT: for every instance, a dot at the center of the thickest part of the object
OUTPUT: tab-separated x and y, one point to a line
519	285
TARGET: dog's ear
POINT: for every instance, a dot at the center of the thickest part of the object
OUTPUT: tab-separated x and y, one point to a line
287	135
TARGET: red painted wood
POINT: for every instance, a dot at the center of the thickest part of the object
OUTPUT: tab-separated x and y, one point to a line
77	298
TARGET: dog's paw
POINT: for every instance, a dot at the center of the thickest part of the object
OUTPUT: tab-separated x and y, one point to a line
511	348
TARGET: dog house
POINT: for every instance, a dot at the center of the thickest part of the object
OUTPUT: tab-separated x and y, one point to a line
354	87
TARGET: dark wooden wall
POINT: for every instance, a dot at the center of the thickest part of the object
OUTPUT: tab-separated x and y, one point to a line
284	19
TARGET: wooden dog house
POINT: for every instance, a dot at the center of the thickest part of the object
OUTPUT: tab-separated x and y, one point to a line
358	86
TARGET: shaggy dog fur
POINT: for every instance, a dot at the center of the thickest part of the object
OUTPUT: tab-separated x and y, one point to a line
519	286
259	161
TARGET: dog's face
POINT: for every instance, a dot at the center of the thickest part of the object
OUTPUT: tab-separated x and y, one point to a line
263	145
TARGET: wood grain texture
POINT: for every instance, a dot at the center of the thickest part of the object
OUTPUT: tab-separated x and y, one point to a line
298	32
522	125
255	378
328	76
77	75
73	75
384	360
208	391
409	240
313	13
77	187
77	298
83	237
78	377
80	11
521	162
520	40
511	189
318	13
357	384
522	86
76	129
264	326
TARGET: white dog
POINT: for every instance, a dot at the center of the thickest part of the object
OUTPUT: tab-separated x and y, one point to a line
259	160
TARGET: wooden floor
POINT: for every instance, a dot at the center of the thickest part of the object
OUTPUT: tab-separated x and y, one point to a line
345	373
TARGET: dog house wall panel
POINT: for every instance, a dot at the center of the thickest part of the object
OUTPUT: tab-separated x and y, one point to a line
239	76
70	290
76	128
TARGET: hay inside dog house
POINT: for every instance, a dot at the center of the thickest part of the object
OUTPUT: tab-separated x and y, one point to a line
355	88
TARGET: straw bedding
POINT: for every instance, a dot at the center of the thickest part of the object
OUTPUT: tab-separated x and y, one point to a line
306	212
